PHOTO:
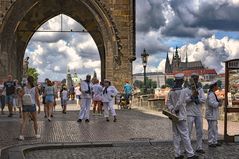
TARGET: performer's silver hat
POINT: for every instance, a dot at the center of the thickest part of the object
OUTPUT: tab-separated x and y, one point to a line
194	75
179	76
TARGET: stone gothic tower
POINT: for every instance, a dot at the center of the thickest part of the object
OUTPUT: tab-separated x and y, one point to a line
69	81
168	68
176	61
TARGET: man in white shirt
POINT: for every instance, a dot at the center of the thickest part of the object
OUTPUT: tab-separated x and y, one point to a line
86	96
195	98
109	93
176	104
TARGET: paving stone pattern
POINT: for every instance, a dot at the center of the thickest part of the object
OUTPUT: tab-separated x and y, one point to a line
159	151
135	124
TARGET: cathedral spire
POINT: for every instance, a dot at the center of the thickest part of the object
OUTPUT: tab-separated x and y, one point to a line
186	56
176	52
167	65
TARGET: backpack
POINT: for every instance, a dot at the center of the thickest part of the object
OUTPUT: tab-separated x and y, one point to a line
27	98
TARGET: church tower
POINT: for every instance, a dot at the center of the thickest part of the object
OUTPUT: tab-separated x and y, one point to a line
168	65
176	61
69	81
186	59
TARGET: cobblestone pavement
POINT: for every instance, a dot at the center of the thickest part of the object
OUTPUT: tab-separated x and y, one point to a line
158	151
132	124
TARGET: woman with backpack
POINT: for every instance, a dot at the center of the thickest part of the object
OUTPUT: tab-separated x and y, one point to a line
30	99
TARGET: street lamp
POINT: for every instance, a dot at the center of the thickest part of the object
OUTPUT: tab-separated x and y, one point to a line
144	57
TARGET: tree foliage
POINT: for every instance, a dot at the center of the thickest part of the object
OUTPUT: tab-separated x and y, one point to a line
150	84
170	82
33	72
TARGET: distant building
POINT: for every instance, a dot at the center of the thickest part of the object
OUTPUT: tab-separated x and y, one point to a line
158	77
177	65
187	68
69	81
204	74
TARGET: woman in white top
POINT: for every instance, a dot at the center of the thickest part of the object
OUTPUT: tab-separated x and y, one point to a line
30	98
77	93
65	98
97	96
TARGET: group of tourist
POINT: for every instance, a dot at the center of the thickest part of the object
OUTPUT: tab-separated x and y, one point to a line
186	104
27	99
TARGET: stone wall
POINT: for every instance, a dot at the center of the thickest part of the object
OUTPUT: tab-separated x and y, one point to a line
158	105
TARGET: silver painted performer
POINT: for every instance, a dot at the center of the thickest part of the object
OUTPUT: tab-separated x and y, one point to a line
212	114
195	98
176	104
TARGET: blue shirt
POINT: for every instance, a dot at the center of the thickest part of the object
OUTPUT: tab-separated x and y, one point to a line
128	88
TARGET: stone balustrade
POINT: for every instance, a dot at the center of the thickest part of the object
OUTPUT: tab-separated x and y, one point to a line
148	102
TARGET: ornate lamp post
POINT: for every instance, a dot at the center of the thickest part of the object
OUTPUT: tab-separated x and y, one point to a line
144	57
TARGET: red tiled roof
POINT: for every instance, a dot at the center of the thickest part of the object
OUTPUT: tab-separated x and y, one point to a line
221	75
199	71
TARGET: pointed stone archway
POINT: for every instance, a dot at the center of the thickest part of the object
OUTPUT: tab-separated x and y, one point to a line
110	23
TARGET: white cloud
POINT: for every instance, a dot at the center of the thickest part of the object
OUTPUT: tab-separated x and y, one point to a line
51	53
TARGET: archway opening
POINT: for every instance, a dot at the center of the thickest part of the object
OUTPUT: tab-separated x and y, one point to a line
63	46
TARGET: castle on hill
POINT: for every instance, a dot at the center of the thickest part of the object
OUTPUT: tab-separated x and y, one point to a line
178	66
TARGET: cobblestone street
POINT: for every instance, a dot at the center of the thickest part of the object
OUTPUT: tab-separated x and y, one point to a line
158	151
132	126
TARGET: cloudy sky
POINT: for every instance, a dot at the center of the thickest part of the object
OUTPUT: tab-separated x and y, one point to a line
206	29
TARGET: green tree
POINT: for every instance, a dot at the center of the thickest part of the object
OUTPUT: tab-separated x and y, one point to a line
219	83
33	72
170	82
138	84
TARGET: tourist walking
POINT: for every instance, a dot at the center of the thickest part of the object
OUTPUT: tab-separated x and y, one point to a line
30	98
176	105
44	85
212	114
16	98
9	87
78	94
195	98
2	97
97	97
109	93
49	93
72	92
65	98
128	89
86	90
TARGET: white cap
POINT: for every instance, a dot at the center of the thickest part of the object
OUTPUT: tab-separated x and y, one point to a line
213	82
179	76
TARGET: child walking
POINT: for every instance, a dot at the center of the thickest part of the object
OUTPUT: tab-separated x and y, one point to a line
65	96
